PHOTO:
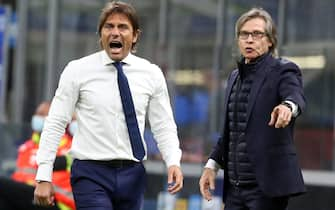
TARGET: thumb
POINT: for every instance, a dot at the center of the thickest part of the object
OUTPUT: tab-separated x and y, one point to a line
212	185
51	197
51	200
170	177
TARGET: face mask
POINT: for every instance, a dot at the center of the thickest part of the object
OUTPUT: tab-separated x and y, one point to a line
73	127
37	123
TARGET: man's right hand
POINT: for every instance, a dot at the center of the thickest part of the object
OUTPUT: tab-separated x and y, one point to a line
207	183
44	194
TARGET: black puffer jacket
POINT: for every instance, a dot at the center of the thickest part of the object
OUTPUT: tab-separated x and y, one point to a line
240	170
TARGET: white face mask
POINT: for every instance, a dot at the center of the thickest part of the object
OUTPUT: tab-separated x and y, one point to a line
73	127
37	123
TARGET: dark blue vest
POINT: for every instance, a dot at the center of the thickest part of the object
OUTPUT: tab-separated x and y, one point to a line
240	170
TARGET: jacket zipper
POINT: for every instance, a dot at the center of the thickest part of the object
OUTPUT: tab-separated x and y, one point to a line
238	89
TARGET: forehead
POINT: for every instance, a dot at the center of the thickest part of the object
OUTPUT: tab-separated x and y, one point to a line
254	24
118	17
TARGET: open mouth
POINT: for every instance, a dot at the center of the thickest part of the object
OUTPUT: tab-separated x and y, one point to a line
248	49
116	45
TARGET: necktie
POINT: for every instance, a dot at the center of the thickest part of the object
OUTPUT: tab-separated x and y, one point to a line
129	113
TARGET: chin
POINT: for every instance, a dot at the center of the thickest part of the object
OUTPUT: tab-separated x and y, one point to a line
251	57
116	57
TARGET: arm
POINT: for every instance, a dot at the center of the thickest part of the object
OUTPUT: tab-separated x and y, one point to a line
291	94
165	132
60	114
44	194
207	179
282	114
175	179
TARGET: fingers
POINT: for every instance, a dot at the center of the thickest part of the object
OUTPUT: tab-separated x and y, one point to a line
207	183
44	195
280	116
273	117
175	179
205	190
43	200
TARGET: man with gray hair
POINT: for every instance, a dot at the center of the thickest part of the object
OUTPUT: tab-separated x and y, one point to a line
263	98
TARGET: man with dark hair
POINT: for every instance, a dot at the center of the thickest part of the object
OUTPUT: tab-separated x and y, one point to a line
264	96
112	92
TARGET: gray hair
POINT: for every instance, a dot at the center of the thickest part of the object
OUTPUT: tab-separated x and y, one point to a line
270	28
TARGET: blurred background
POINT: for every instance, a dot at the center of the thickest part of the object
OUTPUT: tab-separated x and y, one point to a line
193	42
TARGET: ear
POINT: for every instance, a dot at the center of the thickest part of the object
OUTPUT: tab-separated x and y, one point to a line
136	35
100	42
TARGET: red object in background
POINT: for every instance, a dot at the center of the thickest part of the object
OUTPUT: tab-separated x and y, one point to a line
315	148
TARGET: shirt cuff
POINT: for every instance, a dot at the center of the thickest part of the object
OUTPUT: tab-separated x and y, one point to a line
212	164
44	173
295	110
173	159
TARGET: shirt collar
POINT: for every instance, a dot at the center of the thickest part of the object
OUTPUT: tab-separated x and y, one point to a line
106	60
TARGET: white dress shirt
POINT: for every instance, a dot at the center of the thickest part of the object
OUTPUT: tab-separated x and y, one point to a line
89	87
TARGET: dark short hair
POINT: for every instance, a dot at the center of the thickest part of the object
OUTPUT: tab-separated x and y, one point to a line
121	8
270	28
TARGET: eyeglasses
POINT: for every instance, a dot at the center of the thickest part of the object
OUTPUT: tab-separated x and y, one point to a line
256	35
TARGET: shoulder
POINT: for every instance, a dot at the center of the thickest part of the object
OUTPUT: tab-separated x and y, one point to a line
145	65
284	63
143	62
84	64
89	59
284	68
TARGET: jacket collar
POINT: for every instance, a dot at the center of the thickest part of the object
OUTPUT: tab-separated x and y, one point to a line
246	68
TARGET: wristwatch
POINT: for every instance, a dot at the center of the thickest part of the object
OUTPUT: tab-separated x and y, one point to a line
287	105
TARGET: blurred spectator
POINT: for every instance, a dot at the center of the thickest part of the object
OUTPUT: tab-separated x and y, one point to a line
182	103
191	108
17	193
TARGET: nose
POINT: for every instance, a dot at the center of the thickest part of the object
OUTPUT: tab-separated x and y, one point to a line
115	31
249	38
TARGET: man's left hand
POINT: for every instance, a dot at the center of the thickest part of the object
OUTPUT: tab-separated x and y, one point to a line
281	116
175	179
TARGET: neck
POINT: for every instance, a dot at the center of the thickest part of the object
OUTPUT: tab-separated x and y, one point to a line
255	60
